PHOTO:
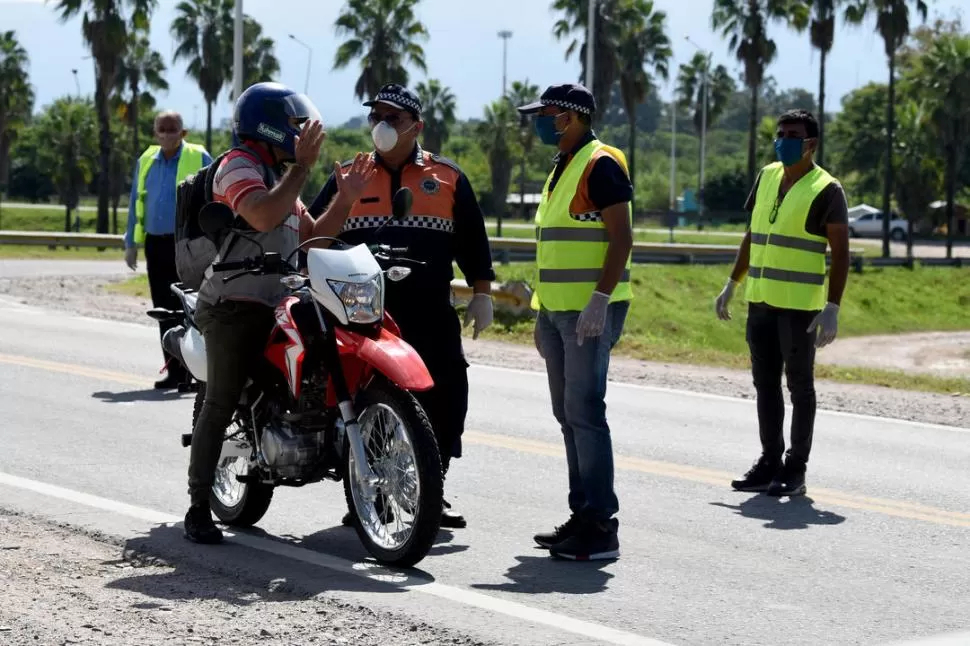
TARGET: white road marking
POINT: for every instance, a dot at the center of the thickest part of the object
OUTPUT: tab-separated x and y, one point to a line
370	571
728	398
949	639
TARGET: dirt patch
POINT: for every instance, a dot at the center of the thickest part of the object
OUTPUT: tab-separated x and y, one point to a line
64	587
945	354
86	295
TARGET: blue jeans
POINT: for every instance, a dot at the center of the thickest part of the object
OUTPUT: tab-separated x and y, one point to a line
577	384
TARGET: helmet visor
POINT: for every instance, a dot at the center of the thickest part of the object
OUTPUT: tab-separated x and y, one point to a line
300	109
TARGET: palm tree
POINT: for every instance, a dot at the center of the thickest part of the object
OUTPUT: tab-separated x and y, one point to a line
919	176
523	93
383	35
16	97
68	131
745	24
259	57
500	120
822	32
200	31
690	89
642	42
438	112
607	28
892	23
105	30
942	79
141	63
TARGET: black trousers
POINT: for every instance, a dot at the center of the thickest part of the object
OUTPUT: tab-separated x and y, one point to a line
780	342
160	263
434	331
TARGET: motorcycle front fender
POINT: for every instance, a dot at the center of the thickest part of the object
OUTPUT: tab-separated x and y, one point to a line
389	355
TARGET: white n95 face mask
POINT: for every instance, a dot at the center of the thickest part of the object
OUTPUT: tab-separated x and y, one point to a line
384	136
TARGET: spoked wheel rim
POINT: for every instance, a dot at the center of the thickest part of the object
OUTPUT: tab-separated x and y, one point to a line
388	517
226	488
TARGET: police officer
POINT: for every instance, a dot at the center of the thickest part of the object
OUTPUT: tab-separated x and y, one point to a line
585	237
151	217
445	225
797	211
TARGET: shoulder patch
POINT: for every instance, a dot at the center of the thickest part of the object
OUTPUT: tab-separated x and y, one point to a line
450	163
430	185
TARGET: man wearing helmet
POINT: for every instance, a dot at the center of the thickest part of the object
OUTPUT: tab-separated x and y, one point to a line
279	134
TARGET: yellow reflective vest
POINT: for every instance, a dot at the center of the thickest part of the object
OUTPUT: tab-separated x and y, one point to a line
787	264
571	247
190	161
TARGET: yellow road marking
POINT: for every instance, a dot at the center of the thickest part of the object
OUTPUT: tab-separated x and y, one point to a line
720	479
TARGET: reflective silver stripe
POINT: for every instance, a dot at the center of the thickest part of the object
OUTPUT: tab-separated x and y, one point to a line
575	275
790	242
571	234
802	277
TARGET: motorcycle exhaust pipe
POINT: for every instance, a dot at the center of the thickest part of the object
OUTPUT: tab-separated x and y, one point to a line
171	342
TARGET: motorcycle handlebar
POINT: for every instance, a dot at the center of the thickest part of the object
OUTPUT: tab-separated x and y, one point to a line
230	265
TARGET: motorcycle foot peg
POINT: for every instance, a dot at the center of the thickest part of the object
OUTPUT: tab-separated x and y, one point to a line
246	479
186	439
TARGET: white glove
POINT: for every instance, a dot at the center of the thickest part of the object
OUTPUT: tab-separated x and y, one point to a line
828	323
722	300
592	319
479	310
131	257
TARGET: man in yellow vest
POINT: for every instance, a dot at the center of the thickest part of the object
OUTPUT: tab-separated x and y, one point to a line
584	228
151	217
797	211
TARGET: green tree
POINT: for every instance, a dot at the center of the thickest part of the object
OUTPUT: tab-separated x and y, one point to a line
383	34
942	78
140	64
16	98
642	42
822	32
199	30
745	24
892	23
524	93
105	29
917	168
438	112
495	134
66	133
857	138
259	55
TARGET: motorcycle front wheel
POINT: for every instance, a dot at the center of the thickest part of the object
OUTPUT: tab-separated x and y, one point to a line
238	504
398	525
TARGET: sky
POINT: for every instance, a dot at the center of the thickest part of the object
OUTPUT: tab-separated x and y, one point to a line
463	51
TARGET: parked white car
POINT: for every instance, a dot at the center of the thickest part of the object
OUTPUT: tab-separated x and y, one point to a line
869	225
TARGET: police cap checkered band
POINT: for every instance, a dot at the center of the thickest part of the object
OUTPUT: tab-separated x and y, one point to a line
399	97
569	96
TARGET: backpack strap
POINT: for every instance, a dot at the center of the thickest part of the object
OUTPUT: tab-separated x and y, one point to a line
269	178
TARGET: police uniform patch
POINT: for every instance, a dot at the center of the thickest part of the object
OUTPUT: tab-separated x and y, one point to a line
430	185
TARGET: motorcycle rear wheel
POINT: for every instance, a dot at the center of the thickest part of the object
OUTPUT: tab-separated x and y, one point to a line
412	434
238	504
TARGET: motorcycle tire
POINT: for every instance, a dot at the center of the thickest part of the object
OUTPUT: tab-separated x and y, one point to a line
428	466
256	496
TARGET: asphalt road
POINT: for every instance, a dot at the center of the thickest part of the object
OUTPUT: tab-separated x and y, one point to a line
875	554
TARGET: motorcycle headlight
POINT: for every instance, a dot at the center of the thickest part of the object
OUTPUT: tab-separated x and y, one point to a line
361	301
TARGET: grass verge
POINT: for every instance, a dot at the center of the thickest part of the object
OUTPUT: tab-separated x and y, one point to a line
672	318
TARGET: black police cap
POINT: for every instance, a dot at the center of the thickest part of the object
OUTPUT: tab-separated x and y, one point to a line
568	96
398	96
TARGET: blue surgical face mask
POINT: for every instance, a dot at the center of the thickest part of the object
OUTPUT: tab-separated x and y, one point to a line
545	127
789	151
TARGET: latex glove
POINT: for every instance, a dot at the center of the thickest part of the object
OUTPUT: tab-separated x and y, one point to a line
131	257
592	319
722	300
479	310
828	323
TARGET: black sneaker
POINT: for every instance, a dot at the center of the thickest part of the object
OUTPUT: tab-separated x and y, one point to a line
790	480
759	476
450	518
199	526
593	541
561	533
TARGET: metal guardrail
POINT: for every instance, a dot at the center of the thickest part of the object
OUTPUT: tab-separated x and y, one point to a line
62	239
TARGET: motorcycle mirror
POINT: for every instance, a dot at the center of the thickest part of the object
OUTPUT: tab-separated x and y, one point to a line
401	202
214	217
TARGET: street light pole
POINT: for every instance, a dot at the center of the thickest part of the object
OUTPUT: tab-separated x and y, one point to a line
77	84
590	43
704	100
237	51
309	58
505	34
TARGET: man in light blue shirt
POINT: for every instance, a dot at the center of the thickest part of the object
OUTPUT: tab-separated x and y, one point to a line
151	217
